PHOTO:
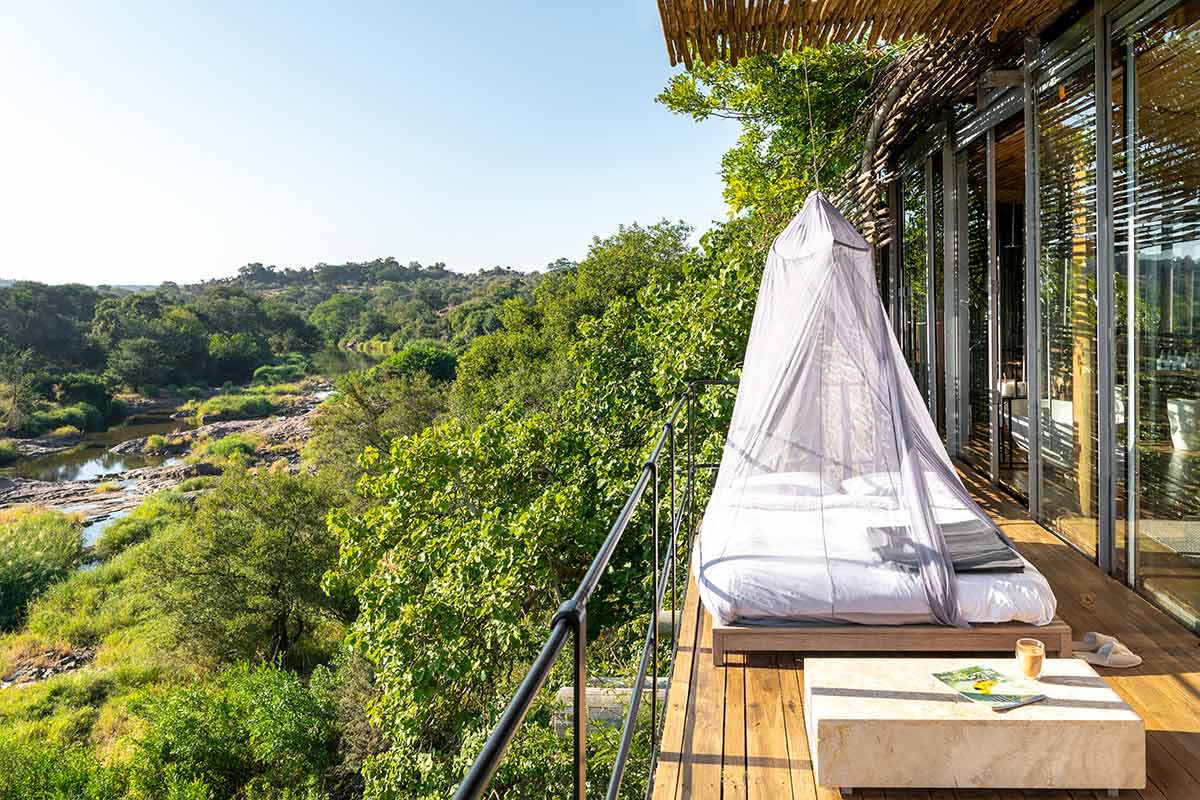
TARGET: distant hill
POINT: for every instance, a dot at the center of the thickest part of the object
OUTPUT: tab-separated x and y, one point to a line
128	287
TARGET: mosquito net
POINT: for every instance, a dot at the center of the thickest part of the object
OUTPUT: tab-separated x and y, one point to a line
835	499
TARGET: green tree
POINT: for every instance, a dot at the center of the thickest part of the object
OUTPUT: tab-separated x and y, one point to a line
370	409
771	168
336	316
139	363
243	580
431	357
234	357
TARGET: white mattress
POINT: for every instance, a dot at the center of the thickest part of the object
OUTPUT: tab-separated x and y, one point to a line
771	563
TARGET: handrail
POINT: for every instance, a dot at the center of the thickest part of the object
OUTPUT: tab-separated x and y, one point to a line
571	618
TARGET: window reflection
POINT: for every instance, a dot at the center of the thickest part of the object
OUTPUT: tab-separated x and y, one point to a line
977	413
1067	269
1156	155
915	277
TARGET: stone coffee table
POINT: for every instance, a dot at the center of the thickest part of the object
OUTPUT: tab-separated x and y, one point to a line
888	723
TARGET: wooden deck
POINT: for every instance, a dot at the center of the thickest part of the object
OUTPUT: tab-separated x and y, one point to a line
738	731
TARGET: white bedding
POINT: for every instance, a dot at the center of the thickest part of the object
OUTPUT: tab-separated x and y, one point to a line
765	560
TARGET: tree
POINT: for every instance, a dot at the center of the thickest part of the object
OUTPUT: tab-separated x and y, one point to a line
370	409
139	363
234	357
336	316
243	580
428	356
771	168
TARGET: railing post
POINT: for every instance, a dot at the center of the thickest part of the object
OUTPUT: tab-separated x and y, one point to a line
691	461
581	708
674	546
654	614
576	615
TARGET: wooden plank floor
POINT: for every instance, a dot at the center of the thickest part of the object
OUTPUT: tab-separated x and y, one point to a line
738	731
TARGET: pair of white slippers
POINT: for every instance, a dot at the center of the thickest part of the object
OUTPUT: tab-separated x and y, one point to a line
1105	651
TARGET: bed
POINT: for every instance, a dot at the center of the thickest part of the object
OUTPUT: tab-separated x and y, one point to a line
795	572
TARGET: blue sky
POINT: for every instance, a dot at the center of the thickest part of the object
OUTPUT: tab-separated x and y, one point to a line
143	142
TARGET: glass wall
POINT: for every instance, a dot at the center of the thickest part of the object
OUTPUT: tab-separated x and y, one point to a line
973	282
1156	197
1010	273
914	277
1068	437
938	287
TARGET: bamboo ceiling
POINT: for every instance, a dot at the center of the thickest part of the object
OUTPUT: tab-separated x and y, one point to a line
713	30
925	81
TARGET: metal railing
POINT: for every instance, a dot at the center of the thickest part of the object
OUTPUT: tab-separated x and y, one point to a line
571	618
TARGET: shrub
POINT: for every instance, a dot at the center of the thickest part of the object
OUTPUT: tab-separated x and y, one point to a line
287	372
433	358
255	732
108	487
84	416
80	387
118	411
198	483
155	443
8	451
158	511
37	548
40	771
235	448
66	432
234	406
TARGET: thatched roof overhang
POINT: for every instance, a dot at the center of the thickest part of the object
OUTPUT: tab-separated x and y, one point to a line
727	30
959	41
911	100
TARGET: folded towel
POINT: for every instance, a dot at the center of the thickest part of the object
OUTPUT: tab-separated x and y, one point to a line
974	546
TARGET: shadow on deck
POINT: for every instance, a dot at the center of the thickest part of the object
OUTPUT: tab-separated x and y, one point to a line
738	731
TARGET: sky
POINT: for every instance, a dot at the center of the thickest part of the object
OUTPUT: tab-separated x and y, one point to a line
146	141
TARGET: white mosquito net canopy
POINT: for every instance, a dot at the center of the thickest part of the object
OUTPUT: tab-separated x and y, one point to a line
835	499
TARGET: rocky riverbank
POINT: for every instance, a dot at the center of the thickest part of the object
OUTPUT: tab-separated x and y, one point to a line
99	498
281	437
290	426
46	445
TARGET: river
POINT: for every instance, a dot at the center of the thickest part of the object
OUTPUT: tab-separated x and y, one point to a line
91	459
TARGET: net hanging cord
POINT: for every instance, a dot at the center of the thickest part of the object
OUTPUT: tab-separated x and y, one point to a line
812	136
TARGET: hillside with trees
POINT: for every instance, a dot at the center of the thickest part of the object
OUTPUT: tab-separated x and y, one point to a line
67	351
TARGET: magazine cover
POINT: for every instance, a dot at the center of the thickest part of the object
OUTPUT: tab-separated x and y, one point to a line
991	688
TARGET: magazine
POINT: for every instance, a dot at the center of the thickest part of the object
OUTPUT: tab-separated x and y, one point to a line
991	688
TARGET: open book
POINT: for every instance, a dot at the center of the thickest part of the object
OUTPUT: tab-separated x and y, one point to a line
993	689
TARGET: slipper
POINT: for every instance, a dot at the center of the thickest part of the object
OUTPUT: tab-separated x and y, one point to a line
1114	654
1093	641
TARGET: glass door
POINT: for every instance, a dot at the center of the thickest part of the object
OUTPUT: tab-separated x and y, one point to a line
1156	198
975	413
1067	407
914	275
1013	400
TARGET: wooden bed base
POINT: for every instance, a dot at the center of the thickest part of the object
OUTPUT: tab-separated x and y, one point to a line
985	638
